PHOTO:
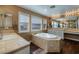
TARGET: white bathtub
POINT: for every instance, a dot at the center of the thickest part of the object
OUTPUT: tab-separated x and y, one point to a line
46	35
47	42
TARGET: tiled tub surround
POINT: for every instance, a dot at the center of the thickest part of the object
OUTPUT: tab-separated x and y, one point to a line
13	43
47	44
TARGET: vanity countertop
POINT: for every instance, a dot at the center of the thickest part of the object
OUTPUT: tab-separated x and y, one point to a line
72	33
12	43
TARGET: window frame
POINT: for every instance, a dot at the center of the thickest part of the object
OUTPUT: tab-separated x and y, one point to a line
27	21
33	30
44	22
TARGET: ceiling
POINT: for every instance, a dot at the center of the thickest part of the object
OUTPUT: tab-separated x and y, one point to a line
47	11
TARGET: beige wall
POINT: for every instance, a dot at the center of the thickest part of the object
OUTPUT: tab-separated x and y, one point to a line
14	11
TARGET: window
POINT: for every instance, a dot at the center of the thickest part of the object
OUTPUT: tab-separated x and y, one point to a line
23	22
55	24
7	22
61	25
44	24
52	24
36	23
1	20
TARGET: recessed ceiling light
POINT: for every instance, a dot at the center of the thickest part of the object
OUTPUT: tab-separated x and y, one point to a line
52	6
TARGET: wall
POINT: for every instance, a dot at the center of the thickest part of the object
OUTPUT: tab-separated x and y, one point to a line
12	9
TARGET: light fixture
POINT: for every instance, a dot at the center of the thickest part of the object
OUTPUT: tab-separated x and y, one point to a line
52	6
73	12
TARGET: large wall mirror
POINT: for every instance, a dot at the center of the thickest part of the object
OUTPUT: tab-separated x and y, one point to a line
57	23
72	21
66	22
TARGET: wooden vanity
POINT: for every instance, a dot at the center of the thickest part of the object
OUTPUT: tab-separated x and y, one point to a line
72	34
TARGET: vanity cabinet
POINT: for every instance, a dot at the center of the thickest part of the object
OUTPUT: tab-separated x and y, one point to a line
72	36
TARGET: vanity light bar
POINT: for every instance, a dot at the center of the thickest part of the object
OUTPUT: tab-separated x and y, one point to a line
74	12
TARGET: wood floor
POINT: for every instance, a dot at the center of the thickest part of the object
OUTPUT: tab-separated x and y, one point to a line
70	47
33	47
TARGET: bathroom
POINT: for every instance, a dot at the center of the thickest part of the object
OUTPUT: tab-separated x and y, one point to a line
22	28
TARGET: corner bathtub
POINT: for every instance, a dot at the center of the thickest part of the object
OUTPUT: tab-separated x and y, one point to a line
47	42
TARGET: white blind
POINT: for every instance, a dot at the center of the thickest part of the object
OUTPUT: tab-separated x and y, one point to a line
8	22
36	19
36	23
23	22
24	17
44	23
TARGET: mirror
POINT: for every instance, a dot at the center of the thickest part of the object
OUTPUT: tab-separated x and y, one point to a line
72	21
66	22
58	23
